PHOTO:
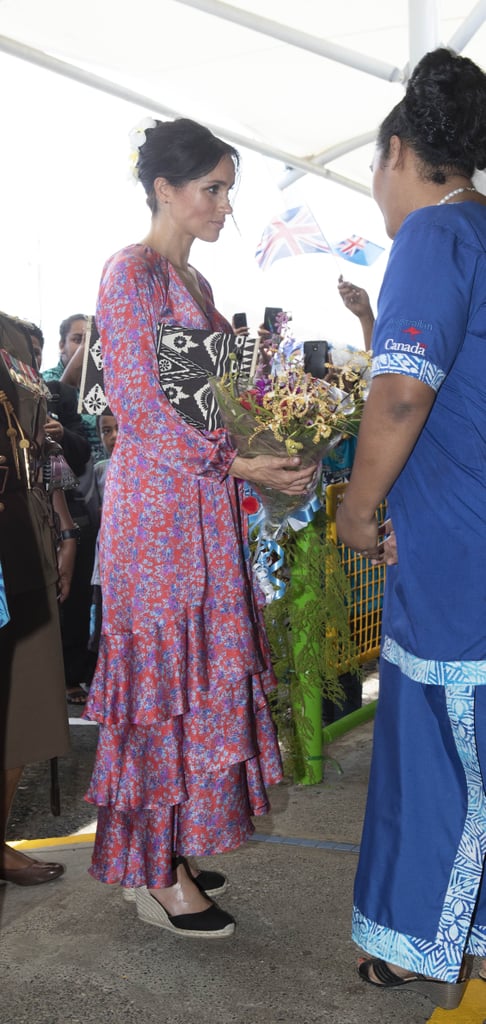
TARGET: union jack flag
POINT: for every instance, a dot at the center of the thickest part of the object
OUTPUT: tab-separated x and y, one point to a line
294	233
358	250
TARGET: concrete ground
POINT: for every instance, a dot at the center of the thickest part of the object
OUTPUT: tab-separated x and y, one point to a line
73	952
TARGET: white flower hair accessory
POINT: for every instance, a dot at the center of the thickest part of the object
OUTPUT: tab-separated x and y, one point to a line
137	138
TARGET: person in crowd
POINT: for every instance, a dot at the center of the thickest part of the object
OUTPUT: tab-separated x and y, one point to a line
357	301
72	335
108	431
420	893
72	340
37	552
186	741
66	426
63	423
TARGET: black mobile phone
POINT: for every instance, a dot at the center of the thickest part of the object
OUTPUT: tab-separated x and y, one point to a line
316	355
239	320
270	318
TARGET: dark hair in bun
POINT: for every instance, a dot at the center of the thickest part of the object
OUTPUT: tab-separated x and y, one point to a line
442	116
179	151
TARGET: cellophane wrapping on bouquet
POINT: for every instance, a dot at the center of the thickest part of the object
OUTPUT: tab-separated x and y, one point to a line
290	414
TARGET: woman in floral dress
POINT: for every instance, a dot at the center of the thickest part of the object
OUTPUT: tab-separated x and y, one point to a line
187	744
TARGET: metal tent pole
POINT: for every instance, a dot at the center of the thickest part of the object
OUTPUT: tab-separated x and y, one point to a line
293	37
469	27
423	28
60	67
347	146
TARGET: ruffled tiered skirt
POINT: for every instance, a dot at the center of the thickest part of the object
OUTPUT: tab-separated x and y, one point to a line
188	784
186	744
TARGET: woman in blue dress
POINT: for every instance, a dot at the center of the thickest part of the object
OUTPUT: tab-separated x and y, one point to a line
420	893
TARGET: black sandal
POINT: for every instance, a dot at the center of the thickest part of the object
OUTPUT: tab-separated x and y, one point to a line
445	994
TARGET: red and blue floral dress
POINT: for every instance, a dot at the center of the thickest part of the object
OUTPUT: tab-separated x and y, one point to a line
186	743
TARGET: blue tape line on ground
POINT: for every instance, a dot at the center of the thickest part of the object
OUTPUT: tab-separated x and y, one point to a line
317	844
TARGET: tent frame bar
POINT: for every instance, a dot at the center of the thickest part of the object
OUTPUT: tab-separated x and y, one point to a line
423	20
423	36
303	40
471	24
44	60
333	153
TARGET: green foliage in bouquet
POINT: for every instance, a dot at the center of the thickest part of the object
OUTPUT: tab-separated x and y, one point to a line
309	635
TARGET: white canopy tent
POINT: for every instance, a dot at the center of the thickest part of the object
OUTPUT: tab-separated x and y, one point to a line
305	84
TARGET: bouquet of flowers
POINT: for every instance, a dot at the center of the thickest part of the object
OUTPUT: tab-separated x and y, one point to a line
285	411
291	413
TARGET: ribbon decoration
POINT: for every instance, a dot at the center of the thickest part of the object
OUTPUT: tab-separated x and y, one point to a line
268	559
269	556
297	520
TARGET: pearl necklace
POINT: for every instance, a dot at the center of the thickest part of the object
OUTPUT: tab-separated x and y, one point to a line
455	192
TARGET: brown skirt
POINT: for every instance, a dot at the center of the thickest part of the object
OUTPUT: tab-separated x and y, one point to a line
33	711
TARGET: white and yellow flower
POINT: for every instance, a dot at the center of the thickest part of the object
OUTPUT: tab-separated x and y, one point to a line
137	138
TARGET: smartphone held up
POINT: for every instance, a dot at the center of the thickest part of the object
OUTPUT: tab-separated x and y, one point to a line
270	319
239	321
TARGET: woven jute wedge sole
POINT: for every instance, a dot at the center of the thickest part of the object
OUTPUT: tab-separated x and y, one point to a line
212	923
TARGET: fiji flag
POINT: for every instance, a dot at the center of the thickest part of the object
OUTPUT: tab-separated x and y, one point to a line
358	250
294	233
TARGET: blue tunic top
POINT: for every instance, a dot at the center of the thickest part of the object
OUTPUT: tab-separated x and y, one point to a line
432	326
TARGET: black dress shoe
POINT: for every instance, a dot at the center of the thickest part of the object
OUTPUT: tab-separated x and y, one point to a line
35	873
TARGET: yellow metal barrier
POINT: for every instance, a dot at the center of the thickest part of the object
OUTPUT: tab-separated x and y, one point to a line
367	583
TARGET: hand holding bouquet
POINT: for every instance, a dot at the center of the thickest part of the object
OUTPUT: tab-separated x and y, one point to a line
290	414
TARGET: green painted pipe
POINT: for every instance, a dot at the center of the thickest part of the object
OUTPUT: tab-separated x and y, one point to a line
348	722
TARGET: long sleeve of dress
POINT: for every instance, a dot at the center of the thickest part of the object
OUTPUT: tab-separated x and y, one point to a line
134	298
